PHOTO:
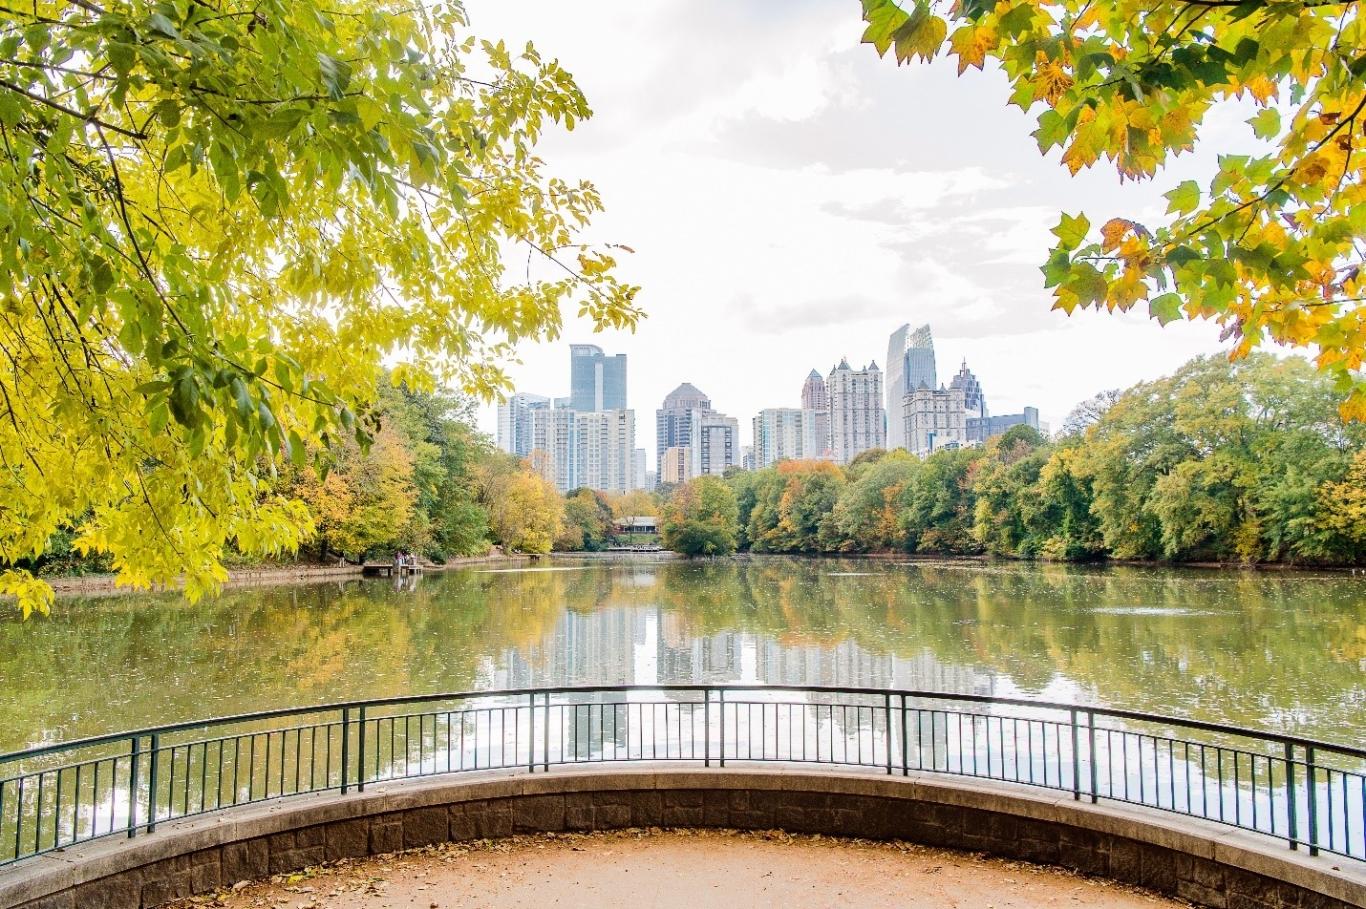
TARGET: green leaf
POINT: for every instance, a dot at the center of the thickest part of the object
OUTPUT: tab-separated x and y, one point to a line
1071	231
1267	124
1165	308
1184	199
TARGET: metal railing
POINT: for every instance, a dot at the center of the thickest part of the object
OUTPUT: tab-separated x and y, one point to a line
1311	794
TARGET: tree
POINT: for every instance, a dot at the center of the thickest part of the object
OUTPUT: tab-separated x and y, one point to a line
1088	412
366	500
587	521
1268	248
525	511
218	220
867	514
701	518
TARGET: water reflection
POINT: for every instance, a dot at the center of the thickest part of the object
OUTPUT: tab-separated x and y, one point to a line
1275	651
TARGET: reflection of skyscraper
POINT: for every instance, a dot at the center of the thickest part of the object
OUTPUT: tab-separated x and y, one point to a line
910	363
596	381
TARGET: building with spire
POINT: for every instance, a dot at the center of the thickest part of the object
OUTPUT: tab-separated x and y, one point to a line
974	400
857	419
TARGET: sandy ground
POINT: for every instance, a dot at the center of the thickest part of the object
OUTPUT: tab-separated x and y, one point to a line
682	869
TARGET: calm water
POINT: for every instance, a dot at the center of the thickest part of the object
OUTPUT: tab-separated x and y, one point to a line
1274	651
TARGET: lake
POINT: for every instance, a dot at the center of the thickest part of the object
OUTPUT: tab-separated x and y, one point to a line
1275	651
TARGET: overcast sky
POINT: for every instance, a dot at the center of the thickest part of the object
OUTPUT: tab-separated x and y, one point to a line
792	199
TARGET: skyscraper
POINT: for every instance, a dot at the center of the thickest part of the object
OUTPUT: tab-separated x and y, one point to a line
787	433
857	420
715	443
816	401
596	381
606	448
515	424
815	395
974	400
934	418
674	420
919	368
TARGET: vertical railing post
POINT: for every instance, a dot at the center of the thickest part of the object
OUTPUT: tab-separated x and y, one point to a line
545	745
360	748
706	727
721	709
1311	780
1076	759
905	741
887	712
531	735
346	751
135	755
152	783
1091	752
1291	809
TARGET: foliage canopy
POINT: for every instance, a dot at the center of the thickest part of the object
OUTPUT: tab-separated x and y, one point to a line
217	221
1269	247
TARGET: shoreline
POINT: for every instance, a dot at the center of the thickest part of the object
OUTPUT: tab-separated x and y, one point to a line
265	576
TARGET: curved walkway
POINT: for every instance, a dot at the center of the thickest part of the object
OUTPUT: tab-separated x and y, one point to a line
686	869
1198	861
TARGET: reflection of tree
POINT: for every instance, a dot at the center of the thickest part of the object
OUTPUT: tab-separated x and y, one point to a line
1276	651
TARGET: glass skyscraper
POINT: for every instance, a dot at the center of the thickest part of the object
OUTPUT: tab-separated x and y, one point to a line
596	381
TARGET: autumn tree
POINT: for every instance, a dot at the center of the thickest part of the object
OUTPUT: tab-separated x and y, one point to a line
587	523
1269	245
525	511
701	518
365	500
218	220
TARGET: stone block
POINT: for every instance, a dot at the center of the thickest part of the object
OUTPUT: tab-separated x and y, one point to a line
1201	895
64	900
245	861
611	816
293	859
425	826
386	834
280	842
1124	860
685	798
462	824
538	814
494	820
311	836
680	816
119	891
1157	869
646	808
347	839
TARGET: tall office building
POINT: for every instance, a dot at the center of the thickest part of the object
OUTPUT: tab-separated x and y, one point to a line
974	400
642	473
715	444
933	419
606	449
910	364
674	466
596	381
788	433
857	420
979	429
815	396
515	426
816	399
674	420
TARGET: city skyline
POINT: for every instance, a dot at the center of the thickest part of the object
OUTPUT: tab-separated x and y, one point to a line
806	214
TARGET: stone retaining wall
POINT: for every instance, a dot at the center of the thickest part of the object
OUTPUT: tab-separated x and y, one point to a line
1205	863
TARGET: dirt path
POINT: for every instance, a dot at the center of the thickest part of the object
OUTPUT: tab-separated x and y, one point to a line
652	869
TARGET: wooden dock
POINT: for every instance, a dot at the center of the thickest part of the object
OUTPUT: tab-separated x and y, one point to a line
387	569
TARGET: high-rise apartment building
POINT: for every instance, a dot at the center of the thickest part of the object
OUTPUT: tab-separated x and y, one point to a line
789	433
715	444
642	473
933	419
515	424
555	446
597	382
674	466
974	400
910	364
857	420
815	395
674	420
606	448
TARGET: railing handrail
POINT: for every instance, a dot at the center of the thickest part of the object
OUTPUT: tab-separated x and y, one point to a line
1114	713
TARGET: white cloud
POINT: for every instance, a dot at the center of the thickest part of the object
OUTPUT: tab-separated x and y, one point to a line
792	199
